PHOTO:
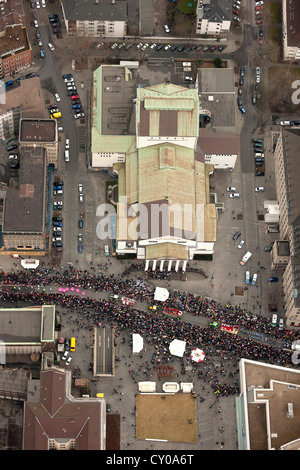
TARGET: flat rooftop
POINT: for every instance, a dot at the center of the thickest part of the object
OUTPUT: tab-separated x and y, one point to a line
38	130
217	95
24	206
117	91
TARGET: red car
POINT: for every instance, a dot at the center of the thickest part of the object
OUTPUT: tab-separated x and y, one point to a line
213	48
236	12
75	97
260	41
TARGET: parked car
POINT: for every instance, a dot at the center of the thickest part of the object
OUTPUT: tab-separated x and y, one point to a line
241	244
230	188
234	195
272	279
167	30
80	247
259	188
51	47
254	279
65	355
268	248
236	235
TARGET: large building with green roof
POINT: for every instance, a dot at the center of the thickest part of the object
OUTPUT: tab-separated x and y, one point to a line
165	215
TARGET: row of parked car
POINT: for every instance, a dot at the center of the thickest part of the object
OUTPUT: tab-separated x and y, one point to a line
166	47
259	156
73	94
57	220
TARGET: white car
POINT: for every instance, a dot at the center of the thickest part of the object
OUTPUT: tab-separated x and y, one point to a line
67	145
38	4
257	79
145	47
65	355
40	43
167	47
80	188
153	46
234	195
80	197
114	45
36	25
43	4
51	47
260	188
241	244
57	203
140	44
257	70
68	361
167	28
57	97
258	4
230	188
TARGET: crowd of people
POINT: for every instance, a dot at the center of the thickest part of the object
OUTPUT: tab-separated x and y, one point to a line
156	328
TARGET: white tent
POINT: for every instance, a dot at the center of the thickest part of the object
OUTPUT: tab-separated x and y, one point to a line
30	263
177	347
197	355
137	343
161	294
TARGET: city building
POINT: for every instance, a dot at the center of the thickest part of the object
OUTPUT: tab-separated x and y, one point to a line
218	137
24	214
163	186
113	116
27	333
213	17
95	18
15	49
24	100
55	420
291	29
40	133
287	174
267	407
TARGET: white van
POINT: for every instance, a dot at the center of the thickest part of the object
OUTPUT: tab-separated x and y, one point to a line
254	279
67	156
274	319
245	258
247	277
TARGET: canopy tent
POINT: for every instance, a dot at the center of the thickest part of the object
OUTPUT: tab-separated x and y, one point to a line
30	263
197	355
177	347
137	343
161	294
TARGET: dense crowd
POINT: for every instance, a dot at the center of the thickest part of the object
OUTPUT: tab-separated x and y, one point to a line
156	328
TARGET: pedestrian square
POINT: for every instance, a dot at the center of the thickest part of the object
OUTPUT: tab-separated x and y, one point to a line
166	417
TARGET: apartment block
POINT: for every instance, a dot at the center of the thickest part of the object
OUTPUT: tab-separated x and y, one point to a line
287	174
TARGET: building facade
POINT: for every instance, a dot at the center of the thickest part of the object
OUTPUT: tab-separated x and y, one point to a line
291	29
287	173
213	17
40	134
98	19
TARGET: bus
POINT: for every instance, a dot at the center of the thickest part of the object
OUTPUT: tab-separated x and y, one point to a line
245	258
72	347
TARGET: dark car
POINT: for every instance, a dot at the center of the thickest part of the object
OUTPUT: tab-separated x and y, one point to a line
80	247
242	71
261	33
186	50
241	81
174	48
11	147
257	141
236	235
272	279
67	75
259	173
80	223
108	408
57	219
268	248
159	48
221	48
67	344
57	224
